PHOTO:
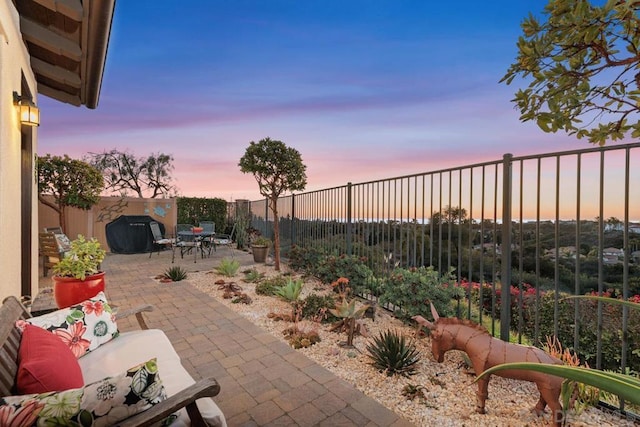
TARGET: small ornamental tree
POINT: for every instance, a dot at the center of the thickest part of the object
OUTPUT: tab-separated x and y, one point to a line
277	168
71	183
581	62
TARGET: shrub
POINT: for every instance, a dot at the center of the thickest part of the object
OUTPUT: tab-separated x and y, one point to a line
611	338
228	267
176	274
314	304
305	259
412	290
350	266
391	353
269	286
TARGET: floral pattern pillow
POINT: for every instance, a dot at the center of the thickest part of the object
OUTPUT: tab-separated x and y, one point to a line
83	327
102	403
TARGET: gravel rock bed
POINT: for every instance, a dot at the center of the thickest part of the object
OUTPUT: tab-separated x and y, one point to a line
448	397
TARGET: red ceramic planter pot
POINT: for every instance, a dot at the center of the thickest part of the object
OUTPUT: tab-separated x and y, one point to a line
68	291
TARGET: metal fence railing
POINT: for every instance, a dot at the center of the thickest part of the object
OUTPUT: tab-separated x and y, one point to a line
524	229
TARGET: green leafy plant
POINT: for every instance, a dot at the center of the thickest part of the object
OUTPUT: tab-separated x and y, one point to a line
82	260
290	292
72	183
317	307
270	285
610	340
349	315
261	241
305	259
391	353
409	289
277	168
331	268
253	276
228	267
176	274
625	386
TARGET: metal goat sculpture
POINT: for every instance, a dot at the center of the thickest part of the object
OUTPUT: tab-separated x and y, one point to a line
486	351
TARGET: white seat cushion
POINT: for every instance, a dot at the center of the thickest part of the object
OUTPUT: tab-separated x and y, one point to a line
132	348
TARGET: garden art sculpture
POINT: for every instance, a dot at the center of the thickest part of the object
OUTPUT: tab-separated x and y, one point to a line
486	351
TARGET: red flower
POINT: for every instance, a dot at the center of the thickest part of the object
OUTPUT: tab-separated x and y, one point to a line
73	338
96	307
26	415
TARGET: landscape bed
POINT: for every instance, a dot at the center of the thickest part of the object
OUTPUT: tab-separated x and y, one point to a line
445	392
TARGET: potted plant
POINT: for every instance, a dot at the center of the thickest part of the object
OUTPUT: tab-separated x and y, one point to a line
77	276
260	249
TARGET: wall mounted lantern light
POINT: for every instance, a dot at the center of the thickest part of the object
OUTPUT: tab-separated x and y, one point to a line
29	113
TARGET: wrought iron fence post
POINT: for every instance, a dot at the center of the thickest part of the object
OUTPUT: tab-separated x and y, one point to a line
505	297
292	224
349	224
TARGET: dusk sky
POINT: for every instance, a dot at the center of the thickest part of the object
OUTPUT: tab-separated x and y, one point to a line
363	89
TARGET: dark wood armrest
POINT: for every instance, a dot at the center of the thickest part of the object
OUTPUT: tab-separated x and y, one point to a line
121	314
207	387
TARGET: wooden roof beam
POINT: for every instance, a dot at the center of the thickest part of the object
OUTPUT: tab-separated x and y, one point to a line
59	95
69	8
55	73
49	40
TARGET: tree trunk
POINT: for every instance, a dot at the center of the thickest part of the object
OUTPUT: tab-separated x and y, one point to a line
63	219
276	233
59	209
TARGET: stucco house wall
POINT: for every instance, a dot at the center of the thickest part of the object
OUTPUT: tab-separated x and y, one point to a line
14	64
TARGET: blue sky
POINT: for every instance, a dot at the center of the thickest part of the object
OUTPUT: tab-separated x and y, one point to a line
363	89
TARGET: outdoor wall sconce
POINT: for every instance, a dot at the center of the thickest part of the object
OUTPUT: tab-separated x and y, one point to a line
29	113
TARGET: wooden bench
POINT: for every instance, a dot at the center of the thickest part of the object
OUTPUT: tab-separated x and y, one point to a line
50	251
126	343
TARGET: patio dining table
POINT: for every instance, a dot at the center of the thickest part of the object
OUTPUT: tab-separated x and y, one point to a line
198	237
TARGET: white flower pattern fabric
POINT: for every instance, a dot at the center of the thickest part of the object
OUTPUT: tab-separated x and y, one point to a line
102	403
83	327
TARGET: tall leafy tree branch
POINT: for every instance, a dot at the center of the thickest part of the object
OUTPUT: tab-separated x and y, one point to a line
72	183
583	68
277	169
126	174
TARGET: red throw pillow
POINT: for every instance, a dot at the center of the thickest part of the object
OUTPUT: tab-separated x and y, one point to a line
45	363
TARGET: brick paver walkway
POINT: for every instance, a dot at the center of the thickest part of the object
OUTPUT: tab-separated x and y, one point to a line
263	381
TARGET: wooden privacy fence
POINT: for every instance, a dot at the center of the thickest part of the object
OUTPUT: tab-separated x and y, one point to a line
92	223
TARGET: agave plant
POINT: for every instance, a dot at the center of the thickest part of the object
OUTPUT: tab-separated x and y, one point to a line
290	291
391	353
176	274
346	310
626	387
228	267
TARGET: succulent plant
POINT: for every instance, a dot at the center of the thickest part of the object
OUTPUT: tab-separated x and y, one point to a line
176	274
290	291
253	276
391	353
270	285
82	260
228	267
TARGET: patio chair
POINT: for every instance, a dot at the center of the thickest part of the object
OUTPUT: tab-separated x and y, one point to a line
159	241
225	240
186	241
208	227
